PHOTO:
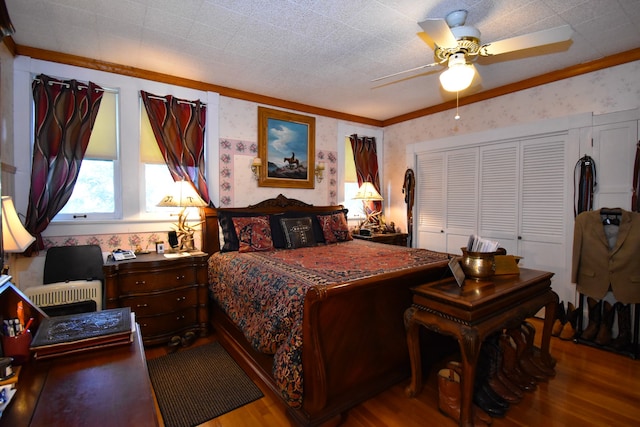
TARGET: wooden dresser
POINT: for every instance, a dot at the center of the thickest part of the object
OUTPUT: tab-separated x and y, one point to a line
168	295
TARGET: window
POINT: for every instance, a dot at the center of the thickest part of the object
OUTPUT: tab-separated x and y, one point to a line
157	178
351	183
94	194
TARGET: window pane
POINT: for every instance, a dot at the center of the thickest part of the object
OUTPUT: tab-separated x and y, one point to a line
94	190
354	206
157	182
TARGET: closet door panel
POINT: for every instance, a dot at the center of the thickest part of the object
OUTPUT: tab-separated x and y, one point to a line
498	190
461	201
543	203
430	187
614	152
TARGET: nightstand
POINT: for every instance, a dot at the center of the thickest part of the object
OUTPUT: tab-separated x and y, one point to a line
398	239
168	295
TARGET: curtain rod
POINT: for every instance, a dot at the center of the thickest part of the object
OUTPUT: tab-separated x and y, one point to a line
180	101
81	86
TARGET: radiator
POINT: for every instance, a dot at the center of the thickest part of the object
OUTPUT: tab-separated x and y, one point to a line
66	293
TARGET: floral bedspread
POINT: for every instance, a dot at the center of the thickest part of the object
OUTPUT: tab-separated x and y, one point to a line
263	293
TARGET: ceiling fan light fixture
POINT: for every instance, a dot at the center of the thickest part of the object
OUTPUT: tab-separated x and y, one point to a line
458	76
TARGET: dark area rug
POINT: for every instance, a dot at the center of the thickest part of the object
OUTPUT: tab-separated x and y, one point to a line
195	385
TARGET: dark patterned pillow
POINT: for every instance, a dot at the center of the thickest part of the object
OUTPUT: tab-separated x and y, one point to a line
225	220
298	232
334	227
254	233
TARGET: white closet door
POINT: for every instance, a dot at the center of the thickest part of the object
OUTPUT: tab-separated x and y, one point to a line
543	203
461	202
498	214
429	203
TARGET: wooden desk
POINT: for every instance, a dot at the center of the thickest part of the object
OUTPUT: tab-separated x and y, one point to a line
109	387
472	313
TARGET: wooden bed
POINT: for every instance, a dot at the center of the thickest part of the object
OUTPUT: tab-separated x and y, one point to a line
353	337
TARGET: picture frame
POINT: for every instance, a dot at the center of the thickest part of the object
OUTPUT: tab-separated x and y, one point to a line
456	269
286	146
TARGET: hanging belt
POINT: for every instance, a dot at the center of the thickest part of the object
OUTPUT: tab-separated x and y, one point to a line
586	184
635	205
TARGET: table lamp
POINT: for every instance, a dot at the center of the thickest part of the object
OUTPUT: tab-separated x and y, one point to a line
183	195
15	239
368	193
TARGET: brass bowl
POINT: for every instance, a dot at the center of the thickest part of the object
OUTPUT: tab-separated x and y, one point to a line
478	265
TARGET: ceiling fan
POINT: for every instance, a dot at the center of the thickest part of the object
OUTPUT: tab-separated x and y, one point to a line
458	45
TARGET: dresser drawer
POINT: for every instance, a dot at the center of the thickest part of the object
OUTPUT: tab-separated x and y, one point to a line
168	323
162	302
166	279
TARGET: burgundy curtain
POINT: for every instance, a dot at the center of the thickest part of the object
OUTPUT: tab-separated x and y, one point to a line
65	112
366	159
179	126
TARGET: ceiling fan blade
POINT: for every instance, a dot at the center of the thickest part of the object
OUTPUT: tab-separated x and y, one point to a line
439	32
526	41
406	71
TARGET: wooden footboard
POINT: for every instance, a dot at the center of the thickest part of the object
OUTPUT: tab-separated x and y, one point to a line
354	342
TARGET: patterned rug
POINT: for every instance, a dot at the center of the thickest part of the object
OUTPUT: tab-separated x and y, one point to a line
195	385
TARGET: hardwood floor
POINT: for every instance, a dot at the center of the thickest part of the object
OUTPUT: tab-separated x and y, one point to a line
592	387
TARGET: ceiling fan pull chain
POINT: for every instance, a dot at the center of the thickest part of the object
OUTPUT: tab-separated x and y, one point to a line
457	116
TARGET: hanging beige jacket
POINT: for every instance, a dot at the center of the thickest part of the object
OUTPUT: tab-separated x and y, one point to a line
595	266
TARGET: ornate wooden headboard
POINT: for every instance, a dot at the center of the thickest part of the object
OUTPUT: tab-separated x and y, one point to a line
280	204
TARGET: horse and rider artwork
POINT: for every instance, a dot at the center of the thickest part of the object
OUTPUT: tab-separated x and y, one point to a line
286	144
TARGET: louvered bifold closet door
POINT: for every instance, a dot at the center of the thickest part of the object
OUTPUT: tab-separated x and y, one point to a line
543	203
498	215
429	203
461	202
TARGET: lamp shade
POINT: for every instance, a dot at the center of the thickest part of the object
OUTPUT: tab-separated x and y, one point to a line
14	237
182	194
459	75
367	192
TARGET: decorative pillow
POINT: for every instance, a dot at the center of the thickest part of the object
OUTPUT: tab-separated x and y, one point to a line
298	232
254	233
230	238
277	233
335	227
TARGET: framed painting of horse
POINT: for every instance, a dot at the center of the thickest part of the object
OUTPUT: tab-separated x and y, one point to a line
286	146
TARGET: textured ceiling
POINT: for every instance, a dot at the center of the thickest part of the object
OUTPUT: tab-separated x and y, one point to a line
322	53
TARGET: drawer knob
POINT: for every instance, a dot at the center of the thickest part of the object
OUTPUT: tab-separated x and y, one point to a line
181	298
180	277
141	282
142	305
179	317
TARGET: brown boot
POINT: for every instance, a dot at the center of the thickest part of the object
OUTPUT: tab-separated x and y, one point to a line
569	328
604	332
477	411
561	319
595	308
623	339
510	364
525	353
449	396
529	332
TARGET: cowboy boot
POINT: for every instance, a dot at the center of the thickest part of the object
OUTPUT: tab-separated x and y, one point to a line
491	378
561	319
624	326
535	356
477	411
604	332
497	357
525	352
595	315
510	364
449	396
569	328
